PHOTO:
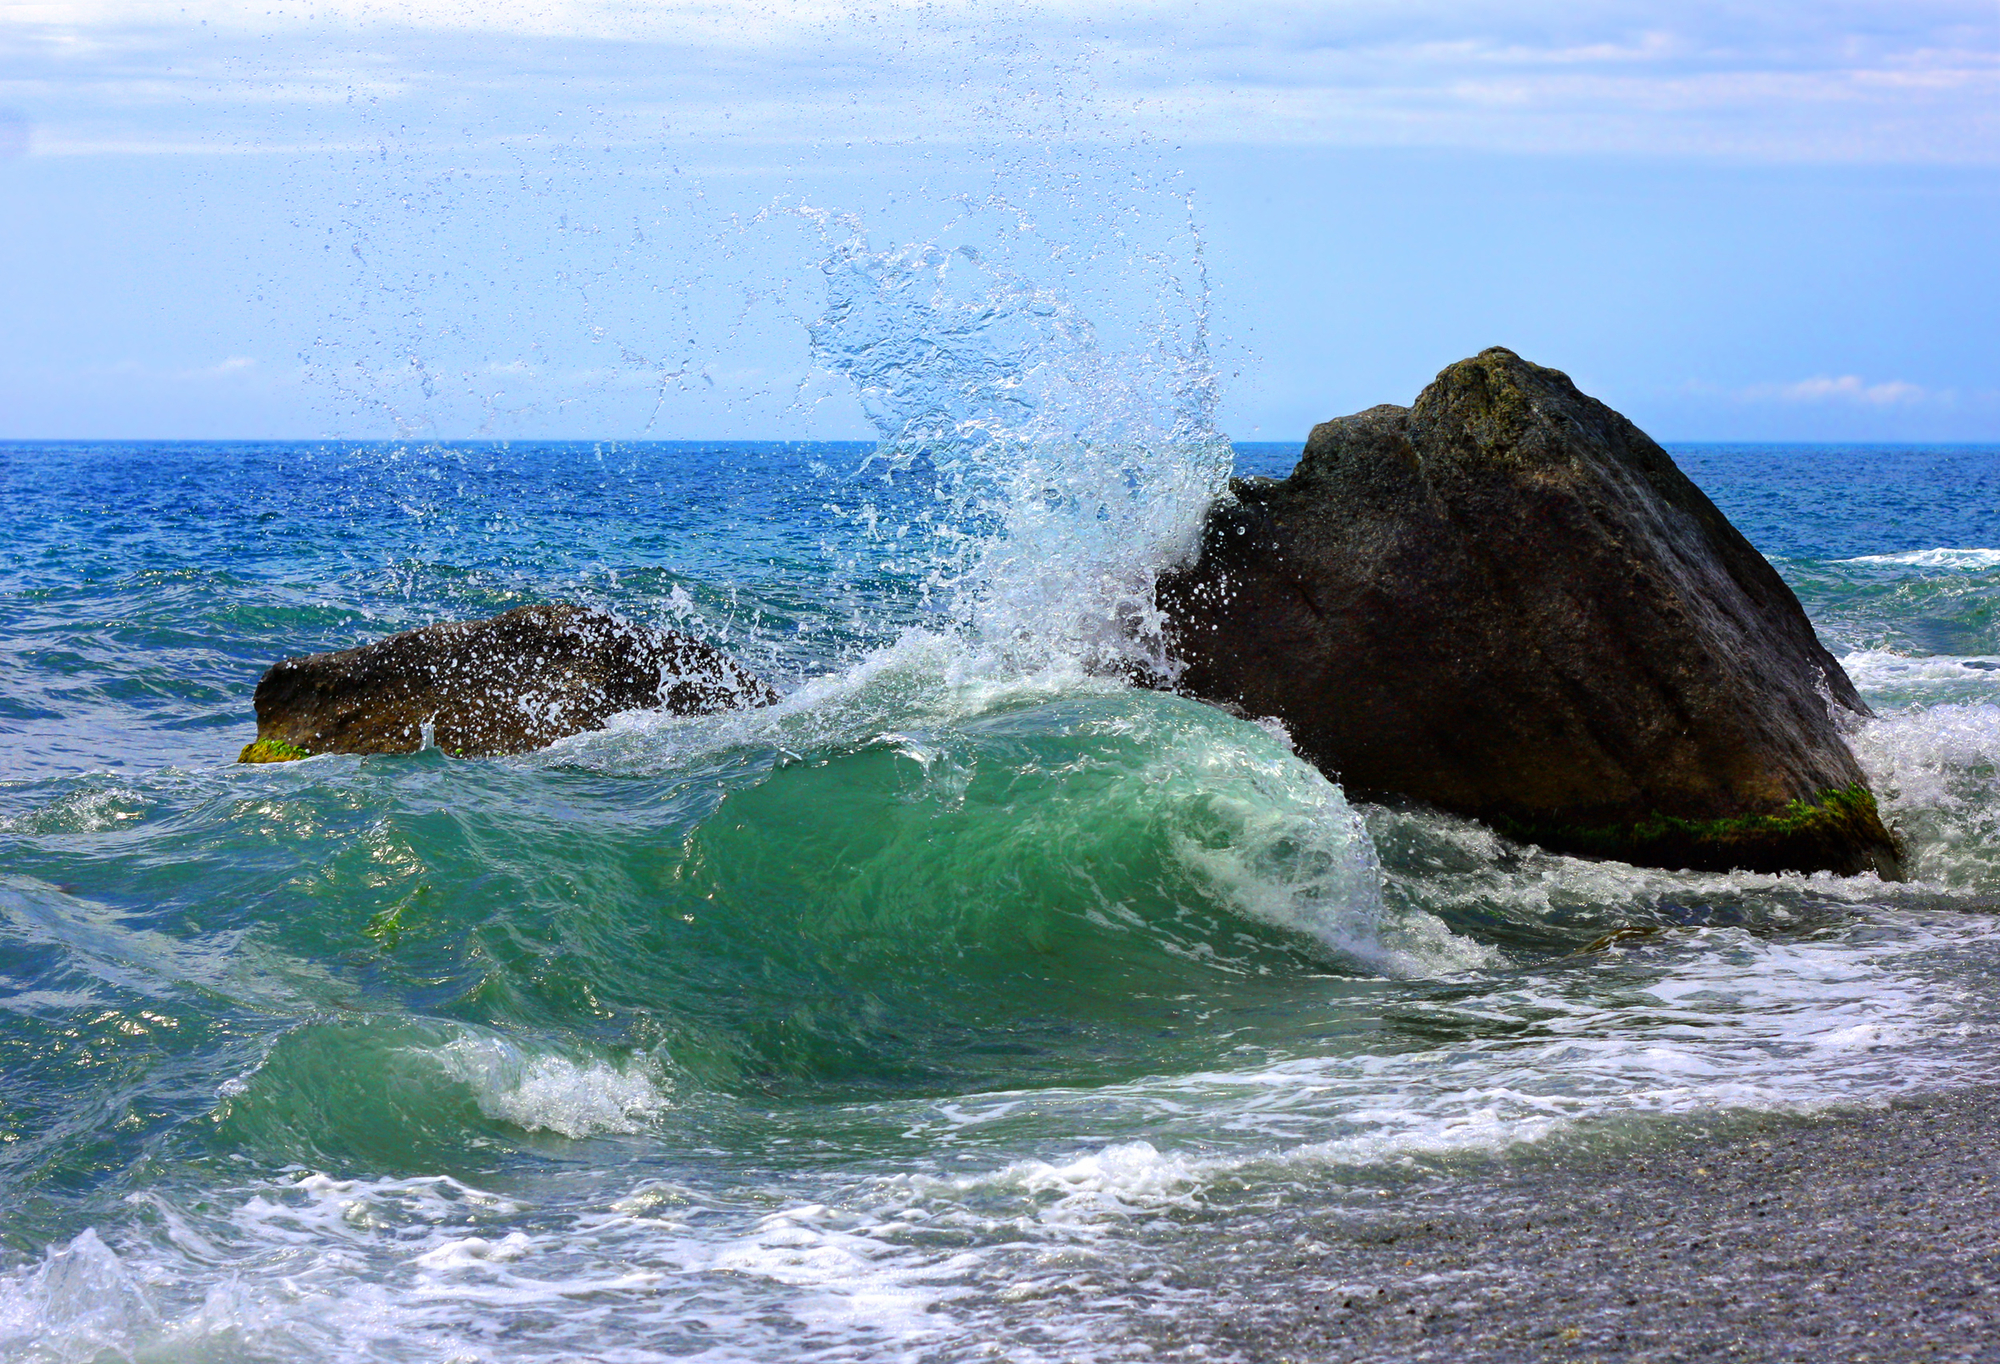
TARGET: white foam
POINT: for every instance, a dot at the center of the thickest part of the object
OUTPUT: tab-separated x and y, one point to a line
549	1093
1973	559
476	1251
1693	1020
80	1303
1936	772
1937	756
1461	871
1875	669
314	1208
1883	667
1064	1194
1715	1020
1121	1179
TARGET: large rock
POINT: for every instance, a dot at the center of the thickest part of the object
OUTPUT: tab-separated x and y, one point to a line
516	682
1508	602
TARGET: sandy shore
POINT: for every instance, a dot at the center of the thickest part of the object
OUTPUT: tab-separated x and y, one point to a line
1870	1235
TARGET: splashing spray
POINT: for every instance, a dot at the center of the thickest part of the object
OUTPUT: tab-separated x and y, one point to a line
1066	470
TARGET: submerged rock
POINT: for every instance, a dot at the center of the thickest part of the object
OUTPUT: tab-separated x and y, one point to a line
482	688
1507	601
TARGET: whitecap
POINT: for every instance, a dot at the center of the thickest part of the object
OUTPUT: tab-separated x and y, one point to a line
547	1093
1876	669
1942	557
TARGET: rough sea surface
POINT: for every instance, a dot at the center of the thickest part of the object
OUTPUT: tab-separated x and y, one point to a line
966	1004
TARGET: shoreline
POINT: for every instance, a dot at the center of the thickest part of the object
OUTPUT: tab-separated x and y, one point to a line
1853	1234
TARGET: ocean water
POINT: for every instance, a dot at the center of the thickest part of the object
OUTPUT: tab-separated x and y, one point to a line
966	1004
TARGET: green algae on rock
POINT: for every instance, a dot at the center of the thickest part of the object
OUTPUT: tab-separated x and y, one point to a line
1508	602
1806	833
271	751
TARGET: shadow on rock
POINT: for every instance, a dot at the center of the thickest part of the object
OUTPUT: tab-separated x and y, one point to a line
1506	600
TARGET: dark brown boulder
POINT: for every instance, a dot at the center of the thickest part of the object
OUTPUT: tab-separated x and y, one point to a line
1508	602
516	682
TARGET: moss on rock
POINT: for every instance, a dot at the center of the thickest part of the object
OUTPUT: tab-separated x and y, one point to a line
271	751
1811	833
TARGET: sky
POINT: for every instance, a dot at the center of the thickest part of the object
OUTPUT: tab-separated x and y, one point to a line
607	219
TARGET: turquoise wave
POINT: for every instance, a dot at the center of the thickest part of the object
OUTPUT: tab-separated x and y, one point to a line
1935	602
1057	884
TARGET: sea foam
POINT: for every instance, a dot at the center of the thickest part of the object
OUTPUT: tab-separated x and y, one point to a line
546	1093
1972	559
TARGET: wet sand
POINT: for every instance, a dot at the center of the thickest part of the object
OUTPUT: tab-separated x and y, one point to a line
1857	1235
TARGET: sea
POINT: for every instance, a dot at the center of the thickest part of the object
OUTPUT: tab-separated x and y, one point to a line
966	1004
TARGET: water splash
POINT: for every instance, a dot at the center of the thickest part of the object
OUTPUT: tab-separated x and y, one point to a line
551	1093
81	1303
1066	467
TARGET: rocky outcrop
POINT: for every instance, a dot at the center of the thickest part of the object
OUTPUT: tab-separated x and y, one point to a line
1507	601
482	688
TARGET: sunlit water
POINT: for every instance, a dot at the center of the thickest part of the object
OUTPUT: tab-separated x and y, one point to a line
961	1005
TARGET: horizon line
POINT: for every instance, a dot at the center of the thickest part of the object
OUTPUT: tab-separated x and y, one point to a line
6	441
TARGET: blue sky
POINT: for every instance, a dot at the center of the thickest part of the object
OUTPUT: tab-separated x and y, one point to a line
609	219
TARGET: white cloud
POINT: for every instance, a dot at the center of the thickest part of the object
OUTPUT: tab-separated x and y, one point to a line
1848	388
1841	80
142	371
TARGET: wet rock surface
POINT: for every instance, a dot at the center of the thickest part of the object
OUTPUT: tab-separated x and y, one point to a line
1507	601
1849	1236
514	683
